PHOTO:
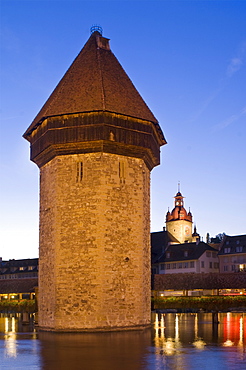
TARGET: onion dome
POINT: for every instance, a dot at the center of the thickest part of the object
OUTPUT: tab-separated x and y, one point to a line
179	212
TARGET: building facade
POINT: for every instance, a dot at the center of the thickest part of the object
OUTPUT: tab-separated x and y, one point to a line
189	257
18	278
95	142
232	254
178	249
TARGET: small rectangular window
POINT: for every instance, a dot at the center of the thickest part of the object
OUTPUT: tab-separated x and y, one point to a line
79	175
162	267
192	264
210	265
202	264
174	265
168	266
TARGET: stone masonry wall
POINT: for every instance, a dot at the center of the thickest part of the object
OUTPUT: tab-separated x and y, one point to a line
94	267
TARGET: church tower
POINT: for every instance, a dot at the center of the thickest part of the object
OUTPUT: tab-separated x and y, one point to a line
179	223
95	142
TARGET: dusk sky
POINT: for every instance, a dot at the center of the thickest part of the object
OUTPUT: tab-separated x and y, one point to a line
186	59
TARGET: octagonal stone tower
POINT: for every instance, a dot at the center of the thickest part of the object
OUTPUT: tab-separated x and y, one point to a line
95	142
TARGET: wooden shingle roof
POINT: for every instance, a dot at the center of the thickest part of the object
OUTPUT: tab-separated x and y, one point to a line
94	82
18	285
200	281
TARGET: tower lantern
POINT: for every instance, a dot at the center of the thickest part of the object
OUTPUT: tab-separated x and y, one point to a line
95	142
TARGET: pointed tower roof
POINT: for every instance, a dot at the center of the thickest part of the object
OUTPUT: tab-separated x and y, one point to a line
95	108
94	82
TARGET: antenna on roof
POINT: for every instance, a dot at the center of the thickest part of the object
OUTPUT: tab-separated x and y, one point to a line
97	28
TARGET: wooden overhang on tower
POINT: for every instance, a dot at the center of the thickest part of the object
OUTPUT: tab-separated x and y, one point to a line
95	108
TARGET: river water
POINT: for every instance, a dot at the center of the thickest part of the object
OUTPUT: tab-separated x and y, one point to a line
175	341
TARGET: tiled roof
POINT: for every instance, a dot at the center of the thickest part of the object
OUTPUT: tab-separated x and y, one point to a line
18	285
159	241
18	263
193	250
233	244
94	82
23	266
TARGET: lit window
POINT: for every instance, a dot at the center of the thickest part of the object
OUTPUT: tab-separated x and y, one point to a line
30	268
21	268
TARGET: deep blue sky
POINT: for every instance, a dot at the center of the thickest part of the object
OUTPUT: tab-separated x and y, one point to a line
187	60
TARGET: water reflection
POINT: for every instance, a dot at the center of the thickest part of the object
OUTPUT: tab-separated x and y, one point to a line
10	337
199	330
122	350
186	341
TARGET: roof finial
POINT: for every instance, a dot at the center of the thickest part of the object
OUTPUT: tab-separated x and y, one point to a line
97	28
179	186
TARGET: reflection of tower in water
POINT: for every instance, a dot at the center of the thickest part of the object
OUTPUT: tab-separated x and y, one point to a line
165	343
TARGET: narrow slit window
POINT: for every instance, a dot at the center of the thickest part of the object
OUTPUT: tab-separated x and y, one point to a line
79	171
122	171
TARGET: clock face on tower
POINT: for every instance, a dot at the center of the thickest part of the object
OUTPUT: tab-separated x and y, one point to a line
187	230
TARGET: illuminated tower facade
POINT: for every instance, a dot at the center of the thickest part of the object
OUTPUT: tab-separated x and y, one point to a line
95	142
179	222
